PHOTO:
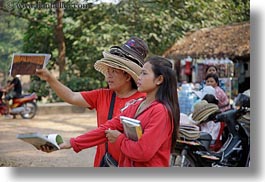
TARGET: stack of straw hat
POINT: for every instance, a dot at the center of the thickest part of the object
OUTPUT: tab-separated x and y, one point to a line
202	110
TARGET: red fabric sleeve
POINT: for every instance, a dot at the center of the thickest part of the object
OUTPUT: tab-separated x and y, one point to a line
96	136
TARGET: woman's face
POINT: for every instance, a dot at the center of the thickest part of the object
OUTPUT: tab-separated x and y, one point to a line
147	82
116	78
211	69
211	82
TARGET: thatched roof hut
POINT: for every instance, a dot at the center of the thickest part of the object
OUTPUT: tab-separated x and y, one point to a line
231	41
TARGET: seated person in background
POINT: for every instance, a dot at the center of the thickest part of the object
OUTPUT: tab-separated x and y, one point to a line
212	69
217	144
1	94
13	89
223	101
208	106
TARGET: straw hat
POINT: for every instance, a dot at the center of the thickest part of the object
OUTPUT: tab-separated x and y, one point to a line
129	59
202	110
189	131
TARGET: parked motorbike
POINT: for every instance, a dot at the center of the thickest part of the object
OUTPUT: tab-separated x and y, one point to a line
25	106
235	151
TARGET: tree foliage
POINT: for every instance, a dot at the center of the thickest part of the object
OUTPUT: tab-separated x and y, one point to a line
90	30
11	39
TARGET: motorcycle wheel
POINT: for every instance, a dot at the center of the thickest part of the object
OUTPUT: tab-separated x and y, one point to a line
178	160
30	110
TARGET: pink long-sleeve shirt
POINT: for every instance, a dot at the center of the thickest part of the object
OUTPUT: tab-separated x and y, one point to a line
151	150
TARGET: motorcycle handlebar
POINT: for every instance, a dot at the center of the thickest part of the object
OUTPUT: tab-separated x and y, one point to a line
229	115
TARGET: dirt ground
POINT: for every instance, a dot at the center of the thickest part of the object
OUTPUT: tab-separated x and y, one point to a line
16	153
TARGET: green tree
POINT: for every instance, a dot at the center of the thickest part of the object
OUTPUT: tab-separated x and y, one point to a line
11	40
87	32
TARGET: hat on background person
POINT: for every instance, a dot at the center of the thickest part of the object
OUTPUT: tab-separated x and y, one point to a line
202	110
207	89
129	57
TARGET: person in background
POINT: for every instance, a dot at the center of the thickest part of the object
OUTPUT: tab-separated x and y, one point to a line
159	116
13	89
223	101
1	94
215	129
211	69
202	117
121	67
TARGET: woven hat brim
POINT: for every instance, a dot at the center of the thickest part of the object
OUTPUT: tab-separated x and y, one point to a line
204	112
189	131
103	64
130	64
204	115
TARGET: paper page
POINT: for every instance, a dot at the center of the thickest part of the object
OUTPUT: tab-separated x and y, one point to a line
55	139
130	120
27	63
37	140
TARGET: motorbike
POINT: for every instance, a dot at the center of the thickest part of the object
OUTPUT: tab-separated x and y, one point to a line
25	106
235	151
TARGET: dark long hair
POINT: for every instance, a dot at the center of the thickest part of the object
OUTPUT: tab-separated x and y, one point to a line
167	93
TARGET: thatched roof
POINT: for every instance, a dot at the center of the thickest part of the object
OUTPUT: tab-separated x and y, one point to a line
226	41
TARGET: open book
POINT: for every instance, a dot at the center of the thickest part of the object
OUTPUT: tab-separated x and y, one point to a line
132	128
38	139
27	63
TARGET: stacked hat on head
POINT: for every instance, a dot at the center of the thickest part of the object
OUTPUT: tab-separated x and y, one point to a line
202	110
129	57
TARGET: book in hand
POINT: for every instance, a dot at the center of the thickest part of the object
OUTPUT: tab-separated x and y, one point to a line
27	63
132	128
37	140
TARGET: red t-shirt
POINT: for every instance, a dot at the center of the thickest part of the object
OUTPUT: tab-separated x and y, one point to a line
100	100
151	150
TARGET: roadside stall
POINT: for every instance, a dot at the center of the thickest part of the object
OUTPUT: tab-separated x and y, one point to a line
226	47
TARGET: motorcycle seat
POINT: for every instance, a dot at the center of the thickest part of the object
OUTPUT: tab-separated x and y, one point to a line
205	139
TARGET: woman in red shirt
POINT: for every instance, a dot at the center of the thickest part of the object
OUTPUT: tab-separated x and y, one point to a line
159	116
121	67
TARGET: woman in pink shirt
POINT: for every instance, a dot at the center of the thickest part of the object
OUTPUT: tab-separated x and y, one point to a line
223	101
159	116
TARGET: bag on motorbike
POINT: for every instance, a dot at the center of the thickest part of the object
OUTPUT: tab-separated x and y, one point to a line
107	160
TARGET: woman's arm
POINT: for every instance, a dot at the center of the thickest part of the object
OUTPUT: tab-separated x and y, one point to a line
61	90
96	136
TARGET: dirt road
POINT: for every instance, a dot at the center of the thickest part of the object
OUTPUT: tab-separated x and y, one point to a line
16	153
